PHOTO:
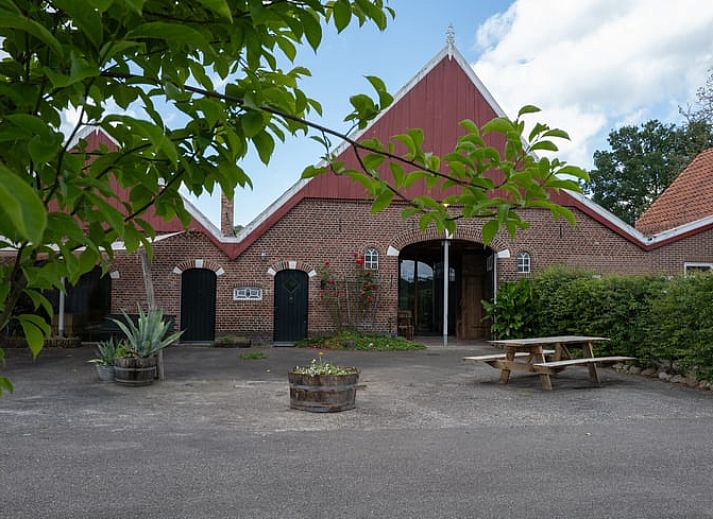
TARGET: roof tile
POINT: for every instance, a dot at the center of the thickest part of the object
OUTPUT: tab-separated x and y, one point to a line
687	199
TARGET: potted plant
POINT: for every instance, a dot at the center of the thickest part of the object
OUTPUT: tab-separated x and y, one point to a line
322	387
105	355
144	339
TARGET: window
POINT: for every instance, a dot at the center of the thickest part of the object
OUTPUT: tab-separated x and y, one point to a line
247	294
371	259
523	263
693	267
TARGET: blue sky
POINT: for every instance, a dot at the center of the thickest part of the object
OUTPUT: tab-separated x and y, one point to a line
592	65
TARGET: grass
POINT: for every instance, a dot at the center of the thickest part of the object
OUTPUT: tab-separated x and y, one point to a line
253	355
348	340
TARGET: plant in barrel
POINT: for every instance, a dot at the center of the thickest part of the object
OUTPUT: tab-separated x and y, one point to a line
144	339
323	387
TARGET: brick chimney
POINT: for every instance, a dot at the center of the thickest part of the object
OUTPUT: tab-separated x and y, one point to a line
227	209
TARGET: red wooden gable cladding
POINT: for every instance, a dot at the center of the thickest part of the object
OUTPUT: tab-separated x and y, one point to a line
437	103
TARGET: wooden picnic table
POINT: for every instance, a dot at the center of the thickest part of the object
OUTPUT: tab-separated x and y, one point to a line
529	356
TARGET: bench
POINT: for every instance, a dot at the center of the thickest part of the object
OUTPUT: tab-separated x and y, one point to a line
500	356
583	362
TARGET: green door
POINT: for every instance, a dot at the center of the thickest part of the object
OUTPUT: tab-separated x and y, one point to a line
291	290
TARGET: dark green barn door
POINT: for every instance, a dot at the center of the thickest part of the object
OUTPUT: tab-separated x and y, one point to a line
198	305
290	305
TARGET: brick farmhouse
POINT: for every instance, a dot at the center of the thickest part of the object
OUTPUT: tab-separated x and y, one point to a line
267	281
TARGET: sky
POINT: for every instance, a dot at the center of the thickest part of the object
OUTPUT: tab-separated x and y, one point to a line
591	65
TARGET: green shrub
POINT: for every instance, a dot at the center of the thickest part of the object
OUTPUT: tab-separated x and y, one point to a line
350	340
655	319
512	314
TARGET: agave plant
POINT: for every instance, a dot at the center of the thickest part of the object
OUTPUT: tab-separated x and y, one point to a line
147	336
106	353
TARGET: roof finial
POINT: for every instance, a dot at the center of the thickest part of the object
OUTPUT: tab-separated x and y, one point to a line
450	40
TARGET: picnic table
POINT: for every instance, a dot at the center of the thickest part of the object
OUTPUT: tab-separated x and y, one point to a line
530	356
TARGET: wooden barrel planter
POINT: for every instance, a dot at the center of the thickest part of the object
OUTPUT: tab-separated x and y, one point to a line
135	371
323	393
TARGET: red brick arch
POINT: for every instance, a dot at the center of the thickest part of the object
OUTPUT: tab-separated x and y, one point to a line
199	264
473	234
291	265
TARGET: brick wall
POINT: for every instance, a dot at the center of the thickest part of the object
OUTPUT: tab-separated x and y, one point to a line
316	231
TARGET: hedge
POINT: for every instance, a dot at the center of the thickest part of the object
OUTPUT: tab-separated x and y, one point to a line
660	321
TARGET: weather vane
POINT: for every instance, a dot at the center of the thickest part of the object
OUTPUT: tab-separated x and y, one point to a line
450	39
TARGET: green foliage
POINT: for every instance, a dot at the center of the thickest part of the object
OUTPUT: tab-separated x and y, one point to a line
652	318
253	355
317	367
5	384
512	314
350	340
113	64
387	170
680	324
148	335
642	162
572	302
107	352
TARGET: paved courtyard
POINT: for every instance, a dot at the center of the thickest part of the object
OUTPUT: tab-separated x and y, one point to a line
430	437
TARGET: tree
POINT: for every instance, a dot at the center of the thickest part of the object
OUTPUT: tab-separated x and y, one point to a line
702	109
144	56
642	162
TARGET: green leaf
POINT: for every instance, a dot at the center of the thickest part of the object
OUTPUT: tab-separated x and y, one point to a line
172	33
85	17
13	21
312	29
398	172
528	109
253	123
219	7
342	14
312	171
490	229
499	124
264	144
6	385
544	145
382	201
35	329
20	204
555	132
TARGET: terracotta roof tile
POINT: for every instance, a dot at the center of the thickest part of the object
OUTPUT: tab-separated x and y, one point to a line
687	199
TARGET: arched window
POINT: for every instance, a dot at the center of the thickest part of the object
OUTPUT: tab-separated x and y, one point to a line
371	259
523	263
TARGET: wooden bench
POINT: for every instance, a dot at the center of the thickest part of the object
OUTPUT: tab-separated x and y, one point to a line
500	356
583	362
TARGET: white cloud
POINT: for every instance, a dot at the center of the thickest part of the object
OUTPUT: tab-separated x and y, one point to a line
593	65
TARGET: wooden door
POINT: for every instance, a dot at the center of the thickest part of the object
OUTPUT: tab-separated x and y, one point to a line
472	292
198	305
290	317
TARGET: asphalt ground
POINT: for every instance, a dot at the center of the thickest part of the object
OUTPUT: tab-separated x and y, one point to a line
431	437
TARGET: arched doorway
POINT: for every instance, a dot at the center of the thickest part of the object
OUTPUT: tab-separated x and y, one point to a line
291	295
470	280
198	305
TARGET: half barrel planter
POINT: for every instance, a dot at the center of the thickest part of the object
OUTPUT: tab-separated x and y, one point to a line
135	371
323	393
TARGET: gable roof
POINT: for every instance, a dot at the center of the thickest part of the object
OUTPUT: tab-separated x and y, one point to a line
444	92
689	198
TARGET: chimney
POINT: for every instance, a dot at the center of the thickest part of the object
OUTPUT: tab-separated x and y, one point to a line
227	208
